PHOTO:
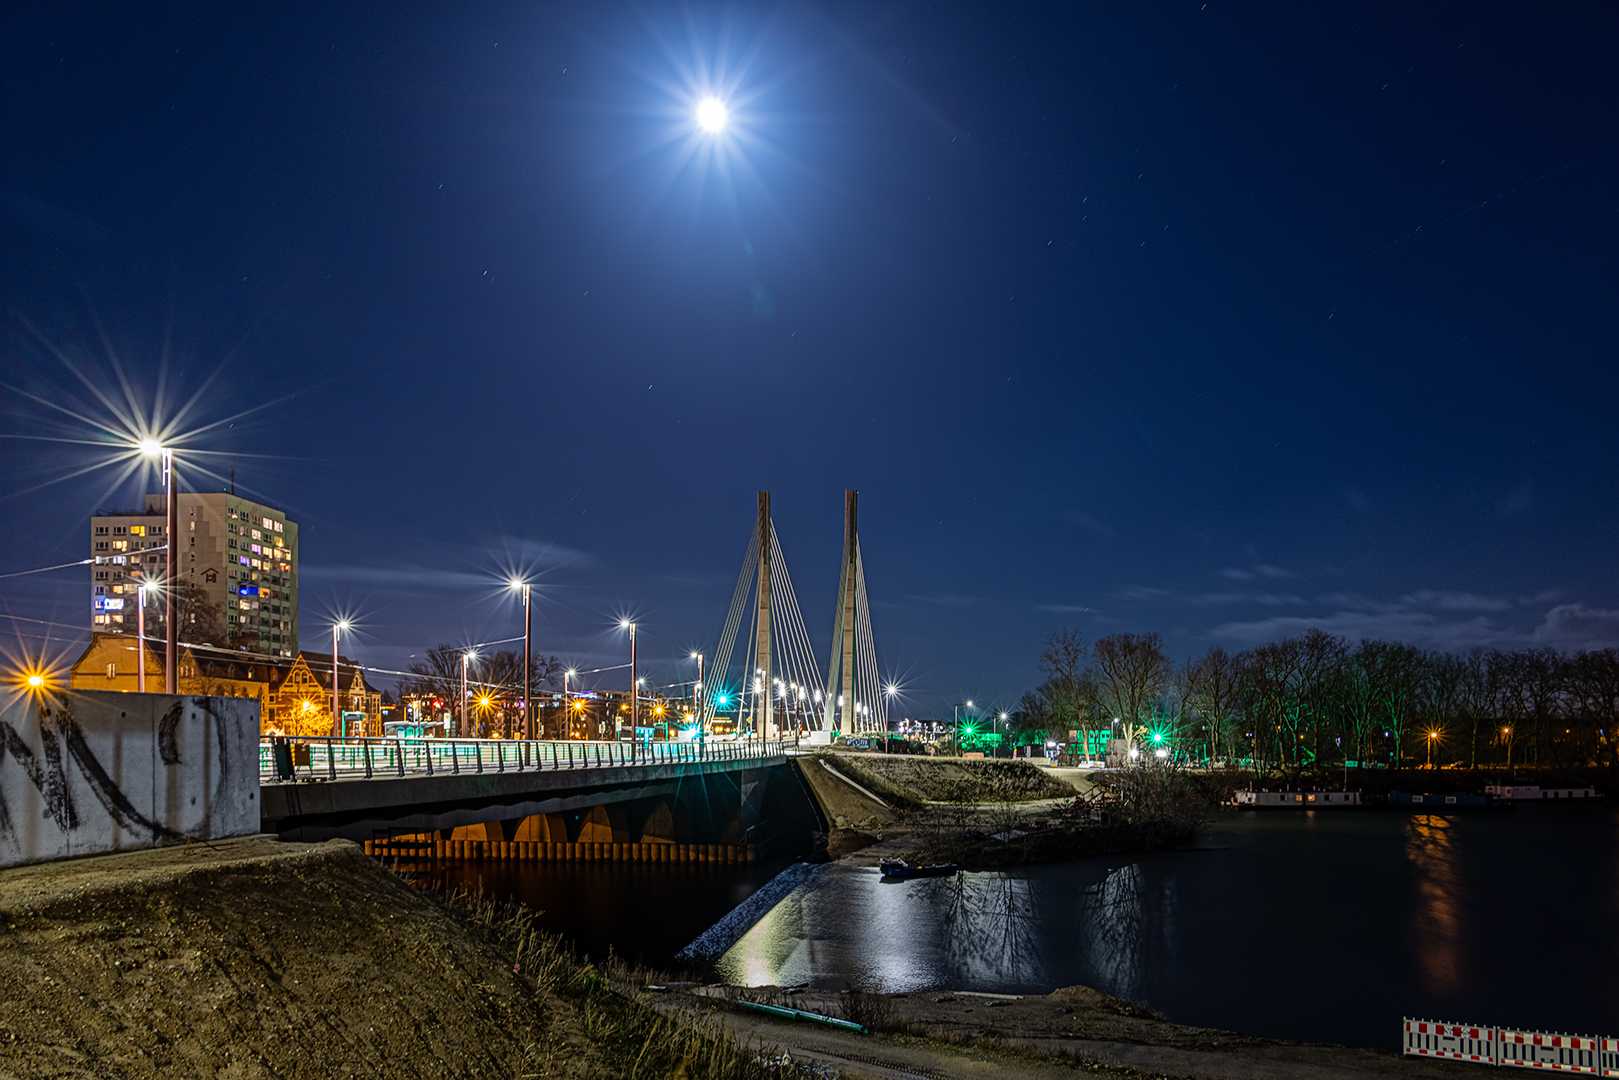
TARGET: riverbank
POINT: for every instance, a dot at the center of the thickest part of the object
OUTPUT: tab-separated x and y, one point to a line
984	815
947	1034
252	958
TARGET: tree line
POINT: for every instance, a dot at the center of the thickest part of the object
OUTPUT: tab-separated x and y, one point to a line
1318	698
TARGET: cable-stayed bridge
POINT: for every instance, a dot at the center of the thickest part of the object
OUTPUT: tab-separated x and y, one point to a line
778	686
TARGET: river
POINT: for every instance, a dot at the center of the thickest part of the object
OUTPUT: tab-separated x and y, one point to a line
1327	926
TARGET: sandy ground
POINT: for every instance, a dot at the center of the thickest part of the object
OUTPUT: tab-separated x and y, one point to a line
252	958
966	1035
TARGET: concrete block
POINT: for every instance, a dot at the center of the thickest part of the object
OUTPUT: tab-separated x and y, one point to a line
85	772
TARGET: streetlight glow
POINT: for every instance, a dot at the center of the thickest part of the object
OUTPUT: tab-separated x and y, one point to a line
151	448
712	114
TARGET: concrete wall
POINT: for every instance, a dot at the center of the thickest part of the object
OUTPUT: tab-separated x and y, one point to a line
84	772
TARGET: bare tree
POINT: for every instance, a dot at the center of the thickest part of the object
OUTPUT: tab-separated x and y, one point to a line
1067	691
1211	690
201	621
1130	671
1395	675
438	675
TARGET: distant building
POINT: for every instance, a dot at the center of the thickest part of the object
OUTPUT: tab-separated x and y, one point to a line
295	696
242	555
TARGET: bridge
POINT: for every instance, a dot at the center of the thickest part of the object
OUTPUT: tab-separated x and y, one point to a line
527	798
778	688
532	799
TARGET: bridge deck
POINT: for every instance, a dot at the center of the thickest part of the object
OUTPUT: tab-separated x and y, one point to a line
353	779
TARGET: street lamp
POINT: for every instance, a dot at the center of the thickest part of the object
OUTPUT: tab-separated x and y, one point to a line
635	694
140	637
697	689
1508	733
461	709
567	730
337	712
1432	735
171	605
528	642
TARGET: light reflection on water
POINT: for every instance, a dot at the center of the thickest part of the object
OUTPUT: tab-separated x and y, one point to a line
1327	926
1439	913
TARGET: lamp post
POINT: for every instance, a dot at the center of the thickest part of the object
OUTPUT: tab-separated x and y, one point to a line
171	573
635	684
461	711
140	638
1432	735
337	705
567	709
1508	733
528	643
696	692
957	708
1008	735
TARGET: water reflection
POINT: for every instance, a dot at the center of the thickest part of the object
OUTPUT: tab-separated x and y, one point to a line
989	923
1399	910
1429	840
1114	930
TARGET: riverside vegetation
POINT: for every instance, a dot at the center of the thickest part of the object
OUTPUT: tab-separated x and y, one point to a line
983	814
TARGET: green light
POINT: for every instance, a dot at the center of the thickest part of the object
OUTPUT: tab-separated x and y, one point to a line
1157	736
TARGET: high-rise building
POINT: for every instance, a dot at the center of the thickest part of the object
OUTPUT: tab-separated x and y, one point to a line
241	556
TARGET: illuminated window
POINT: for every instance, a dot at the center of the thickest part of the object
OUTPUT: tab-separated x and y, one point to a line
137	530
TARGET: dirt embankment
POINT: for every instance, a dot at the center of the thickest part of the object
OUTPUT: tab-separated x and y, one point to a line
945	1034
252	958
918	780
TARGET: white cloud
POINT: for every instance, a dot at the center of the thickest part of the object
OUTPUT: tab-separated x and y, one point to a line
1575	626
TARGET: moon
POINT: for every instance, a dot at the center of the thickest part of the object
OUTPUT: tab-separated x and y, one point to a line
712	114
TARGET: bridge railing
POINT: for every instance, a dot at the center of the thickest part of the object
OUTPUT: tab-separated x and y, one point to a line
298	757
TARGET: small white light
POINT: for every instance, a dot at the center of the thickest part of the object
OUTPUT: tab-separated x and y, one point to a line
151	447
712	114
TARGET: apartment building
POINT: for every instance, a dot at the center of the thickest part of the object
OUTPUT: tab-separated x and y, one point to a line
241	555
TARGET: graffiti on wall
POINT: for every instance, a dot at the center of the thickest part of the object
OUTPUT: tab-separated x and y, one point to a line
74	765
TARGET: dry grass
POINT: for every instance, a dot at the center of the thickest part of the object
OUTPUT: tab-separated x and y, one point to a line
634	1040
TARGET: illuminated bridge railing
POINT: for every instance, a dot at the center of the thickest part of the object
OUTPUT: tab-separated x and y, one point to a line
286	758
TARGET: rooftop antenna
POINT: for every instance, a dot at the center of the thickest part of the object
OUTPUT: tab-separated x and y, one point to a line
233	475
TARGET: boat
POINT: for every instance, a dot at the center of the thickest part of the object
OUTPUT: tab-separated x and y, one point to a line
1407	800
1295	800
899	869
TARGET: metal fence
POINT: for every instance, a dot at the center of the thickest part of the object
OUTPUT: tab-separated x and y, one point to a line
1511	1048
286	758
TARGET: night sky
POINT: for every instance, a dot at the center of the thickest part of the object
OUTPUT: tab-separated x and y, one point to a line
1222	321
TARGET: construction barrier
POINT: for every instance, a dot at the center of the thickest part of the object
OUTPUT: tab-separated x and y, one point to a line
1552	1051
1540	1050
554	851
1455	1042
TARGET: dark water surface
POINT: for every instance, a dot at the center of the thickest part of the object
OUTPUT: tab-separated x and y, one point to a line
640	911
1324	926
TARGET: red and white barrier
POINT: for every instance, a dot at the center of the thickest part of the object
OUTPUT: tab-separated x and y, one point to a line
1552	1051
1541	1050
1454	1042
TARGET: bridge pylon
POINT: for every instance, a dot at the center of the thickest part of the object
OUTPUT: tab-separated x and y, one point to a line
854	701
779	676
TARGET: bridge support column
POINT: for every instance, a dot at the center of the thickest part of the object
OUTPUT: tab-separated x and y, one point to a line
766	695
